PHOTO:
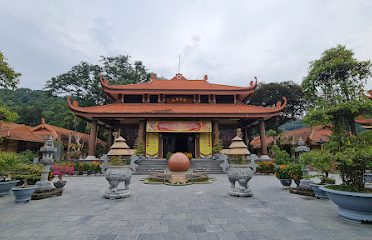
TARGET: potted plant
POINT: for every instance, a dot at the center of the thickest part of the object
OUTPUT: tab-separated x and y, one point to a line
281	172
26	172
322	161
8	161
294	170
352	197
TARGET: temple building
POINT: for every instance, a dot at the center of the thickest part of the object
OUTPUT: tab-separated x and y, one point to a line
177	115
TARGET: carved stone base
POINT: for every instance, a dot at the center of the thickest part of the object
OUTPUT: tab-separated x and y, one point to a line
120	193
44	185
239	193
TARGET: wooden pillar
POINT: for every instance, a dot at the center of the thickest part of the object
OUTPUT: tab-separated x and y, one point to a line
109	137
92	138
142	130
160	150
262	138
197	145
216	132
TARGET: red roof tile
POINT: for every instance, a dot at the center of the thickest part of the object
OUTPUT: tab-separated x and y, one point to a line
178	109
18	132
44	129
311	135
177	83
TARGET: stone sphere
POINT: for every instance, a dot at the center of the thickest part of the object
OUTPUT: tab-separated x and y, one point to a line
178	162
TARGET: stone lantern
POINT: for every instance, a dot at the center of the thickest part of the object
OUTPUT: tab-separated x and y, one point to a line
48	151
239	170
115	174
302	148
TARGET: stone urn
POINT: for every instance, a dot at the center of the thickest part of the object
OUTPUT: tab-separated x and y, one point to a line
286	182
117	171
240	173
5	187
115	175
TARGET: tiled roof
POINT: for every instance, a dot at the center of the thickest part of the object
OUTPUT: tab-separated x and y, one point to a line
177	109
18	132
311	135
44	129
177	83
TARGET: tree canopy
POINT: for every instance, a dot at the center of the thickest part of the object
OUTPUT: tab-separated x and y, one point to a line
83	80
9	78
334	86
267	94
31	105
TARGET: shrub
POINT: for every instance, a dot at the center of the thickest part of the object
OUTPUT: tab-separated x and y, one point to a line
281	172
188	155
322	160
295	171
266	167
139	146
8	163
280	156
217	148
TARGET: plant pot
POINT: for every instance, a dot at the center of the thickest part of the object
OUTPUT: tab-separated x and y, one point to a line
241	174
353	206
59	184
305	184
368	177
286	182
115	175
6	186
297	182
23	194
319	193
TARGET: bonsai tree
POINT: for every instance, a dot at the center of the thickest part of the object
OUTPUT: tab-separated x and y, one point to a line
281	172
8	164
353	160
322	161
294	170
280	156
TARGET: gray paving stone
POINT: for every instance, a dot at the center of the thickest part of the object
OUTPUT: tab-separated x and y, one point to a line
190	212
107	237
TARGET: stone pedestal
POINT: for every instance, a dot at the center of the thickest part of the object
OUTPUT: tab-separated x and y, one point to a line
44	184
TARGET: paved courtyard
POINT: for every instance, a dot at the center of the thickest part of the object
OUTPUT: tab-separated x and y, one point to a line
166	212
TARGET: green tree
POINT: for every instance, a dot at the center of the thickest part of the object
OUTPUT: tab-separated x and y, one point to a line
267	94
83	80
9	78
334	86
7	115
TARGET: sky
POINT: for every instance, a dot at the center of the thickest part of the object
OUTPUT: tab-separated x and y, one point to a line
230	41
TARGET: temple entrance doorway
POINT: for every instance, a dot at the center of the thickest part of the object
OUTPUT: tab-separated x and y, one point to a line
179	142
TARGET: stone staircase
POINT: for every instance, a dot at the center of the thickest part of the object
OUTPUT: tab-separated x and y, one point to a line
212	166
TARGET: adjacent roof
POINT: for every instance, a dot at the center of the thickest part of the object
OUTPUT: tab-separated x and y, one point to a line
175	110
177	85
45	130
19	132
311	135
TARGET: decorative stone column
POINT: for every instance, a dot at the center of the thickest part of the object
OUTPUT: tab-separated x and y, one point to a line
48	151
264	156
92	141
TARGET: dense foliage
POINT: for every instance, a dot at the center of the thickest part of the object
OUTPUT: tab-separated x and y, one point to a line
334	86
268	94
9	78
32	105
322	160
83	80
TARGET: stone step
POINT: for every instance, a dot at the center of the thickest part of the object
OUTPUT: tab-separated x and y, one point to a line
212	166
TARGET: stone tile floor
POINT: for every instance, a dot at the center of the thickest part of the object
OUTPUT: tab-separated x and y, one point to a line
166	212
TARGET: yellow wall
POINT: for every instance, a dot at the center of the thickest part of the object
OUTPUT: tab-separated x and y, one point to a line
152	144
205	144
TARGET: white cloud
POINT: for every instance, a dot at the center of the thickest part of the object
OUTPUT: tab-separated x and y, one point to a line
231	41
